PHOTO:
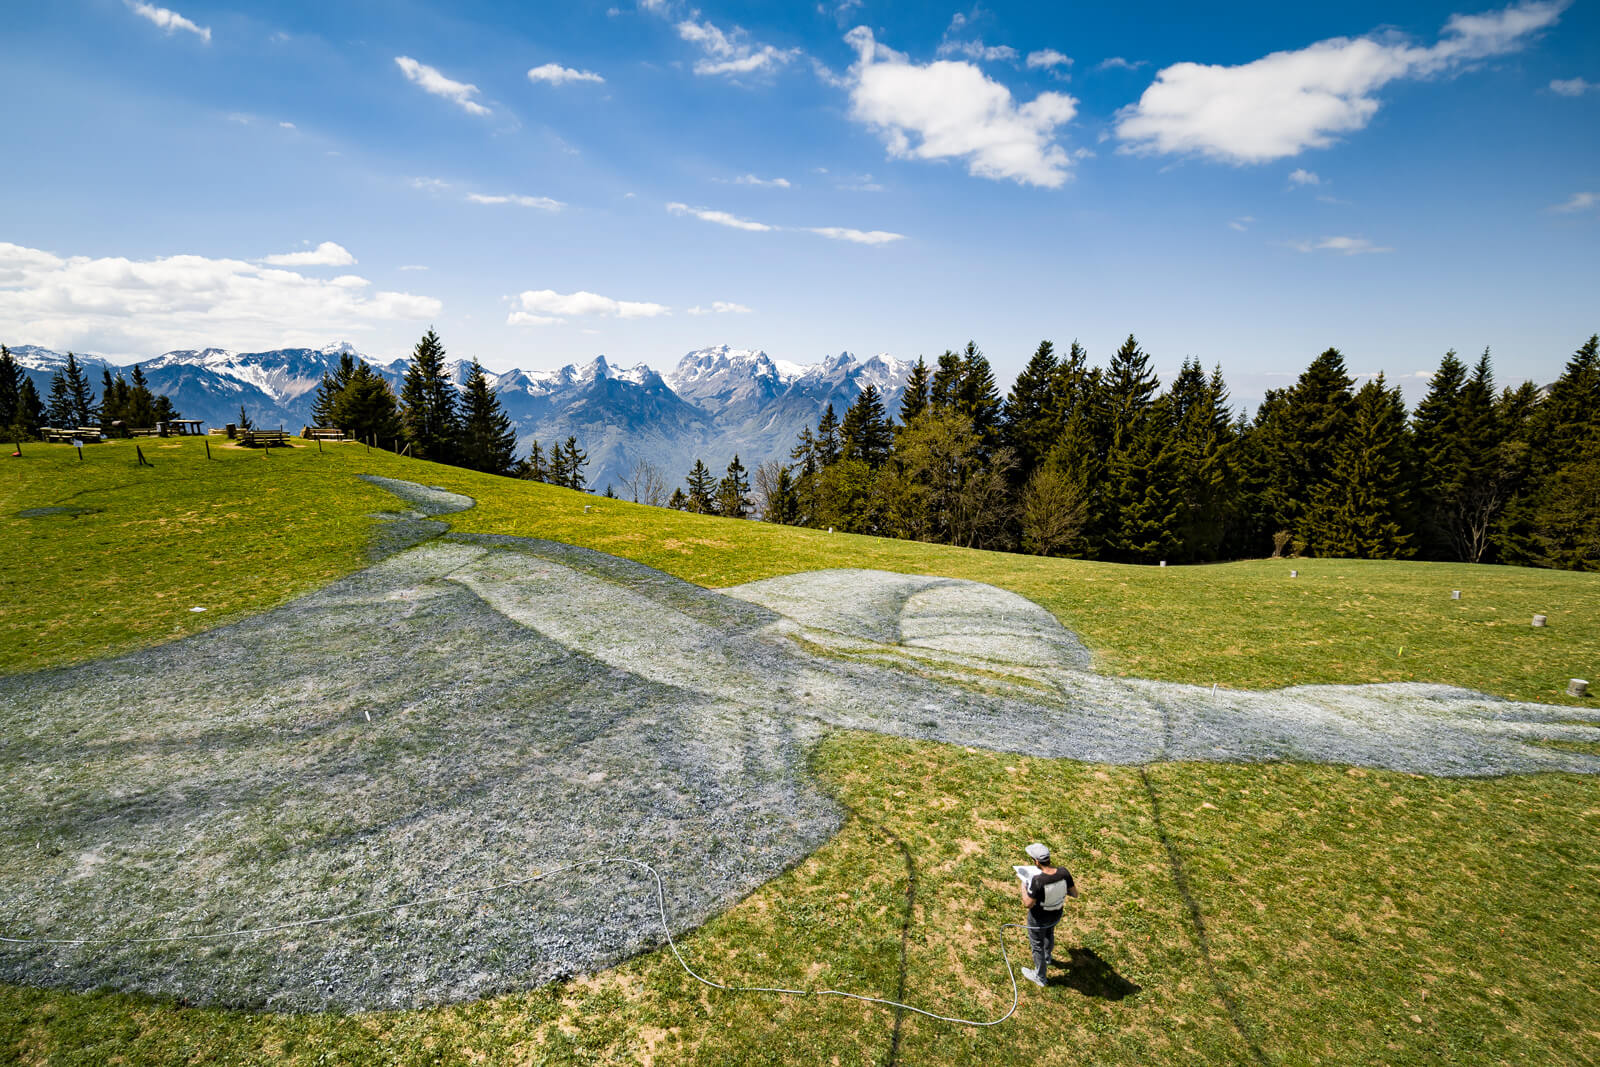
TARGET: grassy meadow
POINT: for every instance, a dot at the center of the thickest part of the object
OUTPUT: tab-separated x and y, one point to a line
1277	913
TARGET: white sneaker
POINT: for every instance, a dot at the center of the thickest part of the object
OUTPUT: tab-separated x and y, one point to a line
1033	976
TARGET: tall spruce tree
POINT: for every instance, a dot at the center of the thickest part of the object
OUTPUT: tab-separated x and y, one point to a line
365	406
488	441
733	492
140	405
977	396
82	397
573	460
1441	467
533	468
866	432
30	410
914	401
828	445
428	412
702	498
333	383
1358	509
10	389
58	409
1030	418
1314	421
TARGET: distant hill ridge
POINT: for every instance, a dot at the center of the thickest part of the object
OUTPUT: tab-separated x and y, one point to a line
715	402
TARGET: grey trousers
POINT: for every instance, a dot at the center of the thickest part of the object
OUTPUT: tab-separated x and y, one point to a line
1043	942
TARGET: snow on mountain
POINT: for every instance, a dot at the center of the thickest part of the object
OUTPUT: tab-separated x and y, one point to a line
715	402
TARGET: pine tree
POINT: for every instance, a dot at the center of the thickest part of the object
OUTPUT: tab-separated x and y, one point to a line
914	401
1357	510
573	460
533	468
244	420
702	499
1029	418
59	407
83	410
1312	423
978	398
365	406
110	402
1137	460
678	502
10	389
866	432
333	383
829	447
488	441
428	415
733	492
558	465
1130	387
140	405
944	390
1436	429
30	410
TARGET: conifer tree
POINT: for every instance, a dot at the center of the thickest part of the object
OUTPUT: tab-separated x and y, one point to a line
10	389
29	420
488	441
365	406
533	468
866	432
59	407
702	499
1029	418
914	401
829	447
1436	429
558	465
977	396
944	389
428	412
678	502
82	397
1357	511
110	404
573	460
140	406
1130	387
733	492
244	420
333	383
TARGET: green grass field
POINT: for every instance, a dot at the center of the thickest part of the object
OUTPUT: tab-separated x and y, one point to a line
1278	913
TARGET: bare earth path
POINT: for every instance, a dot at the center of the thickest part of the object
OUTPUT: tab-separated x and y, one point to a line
472	709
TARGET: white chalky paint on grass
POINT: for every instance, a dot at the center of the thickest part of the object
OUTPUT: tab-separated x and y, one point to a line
525	702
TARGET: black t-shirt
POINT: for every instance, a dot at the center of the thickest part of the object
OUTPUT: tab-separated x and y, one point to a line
1040	915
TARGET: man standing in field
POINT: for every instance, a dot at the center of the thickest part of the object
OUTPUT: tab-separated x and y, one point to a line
1044	890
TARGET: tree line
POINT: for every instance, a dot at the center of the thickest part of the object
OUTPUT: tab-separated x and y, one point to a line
1101	463
123	403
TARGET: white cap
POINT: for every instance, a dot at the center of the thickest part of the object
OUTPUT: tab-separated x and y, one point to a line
1039	852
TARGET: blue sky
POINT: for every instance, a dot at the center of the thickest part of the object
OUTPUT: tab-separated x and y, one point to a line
548	182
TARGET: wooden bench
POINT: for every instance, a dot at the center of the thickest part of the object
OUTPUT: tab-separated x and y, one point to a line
143	431
62	437
264	438
323	433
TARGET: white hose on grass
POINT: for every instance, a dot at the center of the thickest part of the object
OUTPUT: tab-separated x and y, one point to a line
661	907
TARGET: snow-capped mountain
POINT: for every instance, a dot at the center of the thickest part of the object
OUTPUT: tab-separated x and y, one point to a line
715	402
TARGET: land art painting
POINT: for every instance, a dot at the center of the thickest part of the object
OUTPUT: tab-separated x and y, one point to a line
470	711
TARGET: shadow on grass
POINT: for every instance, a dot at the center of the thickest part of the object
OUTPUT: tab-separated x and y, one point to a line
1087	972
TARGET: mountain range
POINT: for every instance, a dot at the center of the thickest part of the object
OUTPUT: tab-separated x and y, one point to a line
714	403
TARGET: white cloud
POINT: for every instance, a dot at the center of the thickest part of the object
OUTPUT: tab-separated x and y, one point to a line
556	74
543	203
580	304
287	125
1579	202
721	218
522	318
1301	176
413	266
169	20
1118	63
131	307
860	237
1349	246
1048	58
430	80
1572	86
977	51
732	52
327	254
952	110
720	307
1242	223
765	183
1286	102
